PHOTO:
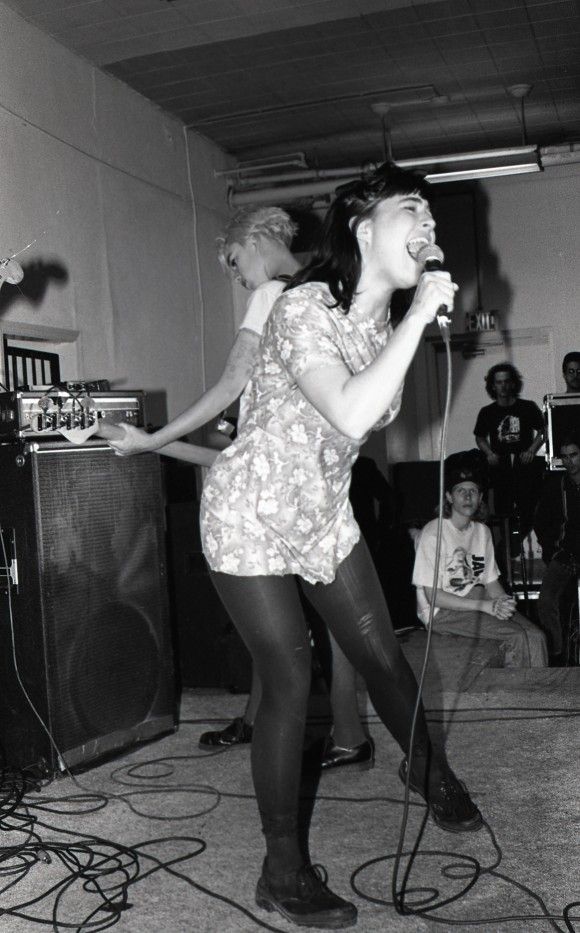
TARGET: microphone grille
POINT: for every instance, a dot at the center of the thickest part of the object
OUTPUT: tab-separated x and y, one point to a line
430	252
11	271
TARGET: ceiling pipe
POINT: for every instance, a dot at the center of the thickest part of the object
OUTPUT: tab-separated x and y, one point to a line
297	159
564	154
311	174
276	195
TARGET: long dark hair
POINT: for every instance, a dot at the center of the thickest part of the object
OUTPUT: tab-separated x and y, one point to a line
337	258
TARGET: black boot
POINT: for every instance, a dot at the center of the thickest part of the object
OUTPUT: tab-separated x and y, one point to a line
359	757
302	897
237	733
449	802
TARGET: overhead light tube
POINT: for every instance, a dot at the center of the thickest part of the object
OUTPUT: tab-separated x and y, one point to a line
492	171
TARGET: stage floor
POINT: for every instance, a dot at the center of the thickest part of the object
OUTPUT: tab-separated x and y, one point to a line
513	737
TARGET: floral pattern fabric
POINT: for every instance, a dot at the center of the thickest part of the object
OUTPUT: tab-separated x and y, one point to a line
276	501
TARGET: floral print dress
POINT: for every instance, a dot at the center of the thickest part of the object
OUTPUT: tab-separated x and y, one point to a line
276	501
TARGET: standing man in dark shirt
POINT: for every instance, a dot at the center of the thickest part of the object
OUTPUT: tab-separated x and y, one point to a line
557	526
510	432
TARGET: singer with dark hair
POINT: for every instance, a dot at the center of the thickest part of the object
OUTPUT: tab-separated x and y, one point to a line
255	250
276	514
510	432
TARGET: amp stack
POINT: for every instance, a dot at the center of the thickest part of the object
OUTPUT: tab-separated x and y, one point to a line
86	660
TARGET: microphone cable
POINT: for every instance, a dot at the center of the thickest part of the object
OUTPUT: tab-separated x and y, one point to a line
457	869
399	896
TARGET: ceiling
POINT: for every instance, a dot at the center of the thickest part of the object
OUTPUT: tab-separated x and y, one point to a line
264	78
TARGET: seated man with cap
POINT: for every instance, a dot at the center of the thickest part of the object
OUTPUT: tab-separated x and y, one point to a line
469	599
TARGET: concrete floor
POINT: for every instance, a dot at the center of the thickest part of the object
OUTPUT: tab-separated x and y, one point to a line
513	737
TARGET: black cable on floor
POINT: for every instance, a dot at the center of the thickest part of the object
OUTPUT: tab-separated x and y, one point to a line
107	870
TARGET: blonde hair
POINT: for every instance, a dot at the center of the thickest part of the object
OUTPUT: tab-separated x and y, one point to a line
271	222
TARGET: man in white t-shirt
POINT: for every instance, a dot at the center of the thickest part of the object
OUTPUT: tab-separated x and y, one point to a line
469	599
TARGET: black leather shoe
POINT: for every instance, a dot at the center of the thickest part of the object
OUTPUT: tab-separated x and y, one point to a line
449	803
303	898
359	757
237	733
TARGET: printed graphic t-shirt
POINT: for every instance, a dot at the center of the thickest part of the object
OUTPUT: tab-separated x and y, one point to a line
509	430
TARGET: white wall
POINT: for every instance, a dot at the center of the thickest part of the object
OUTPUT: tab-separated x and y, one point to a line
99	179
534	234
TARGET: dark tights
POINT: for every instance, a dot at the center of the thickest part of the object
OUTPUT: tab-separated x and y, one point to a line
267	613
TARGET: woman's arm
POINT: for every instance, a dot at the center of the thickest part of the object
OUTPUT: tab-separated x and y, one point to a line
354	403
237	371
201	456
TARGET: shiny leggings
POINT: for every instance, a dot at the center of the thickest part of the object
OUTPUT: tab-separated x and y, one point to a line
268	615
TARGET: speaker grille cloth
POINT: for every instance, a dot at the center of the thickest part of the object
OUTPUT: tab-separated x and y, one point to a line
101	546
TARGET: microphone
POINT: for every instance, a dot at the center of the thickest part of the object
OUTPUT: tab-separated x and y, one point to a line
432	256
11	271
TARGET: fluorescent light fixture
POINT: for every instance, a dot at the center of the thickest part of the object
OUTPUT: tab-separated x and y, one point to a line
486	163
480	156
308	183
491	171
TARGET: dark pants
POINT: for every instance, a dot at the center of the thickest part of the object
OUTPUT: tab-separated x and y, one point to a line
269	617
516	488
562	569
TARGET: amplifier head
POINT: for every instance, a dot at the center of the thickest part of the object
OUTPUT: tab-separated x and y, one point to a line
55	413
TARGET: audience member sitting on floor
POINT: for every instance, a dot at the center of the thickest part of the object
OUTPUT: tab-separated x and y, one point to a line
557	526
469	599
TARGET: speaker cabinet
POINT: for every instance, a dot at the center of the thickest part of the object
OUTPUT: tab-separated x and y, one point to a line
84	628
